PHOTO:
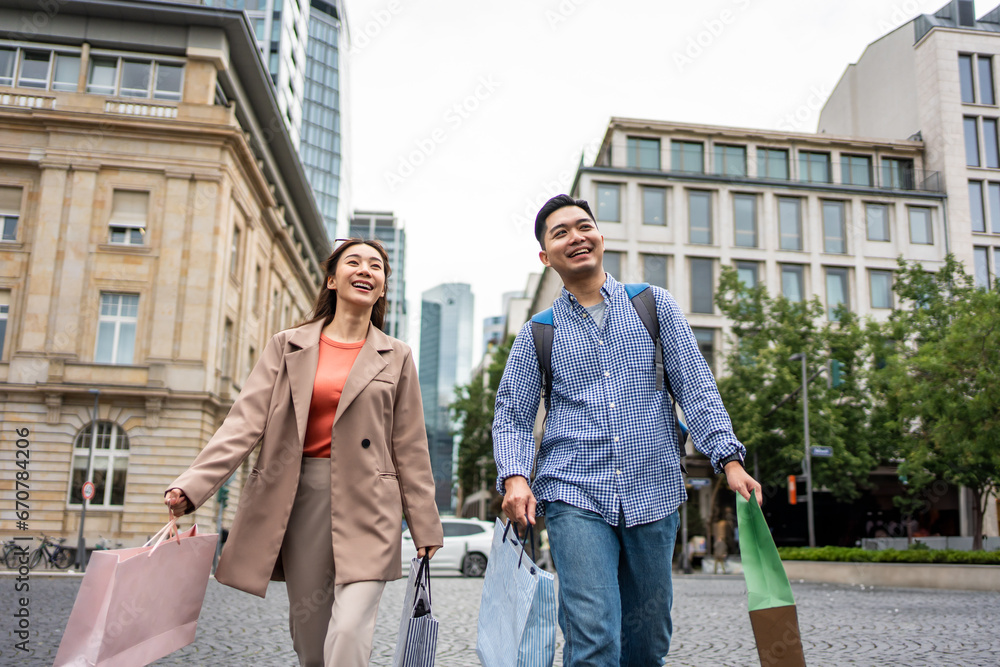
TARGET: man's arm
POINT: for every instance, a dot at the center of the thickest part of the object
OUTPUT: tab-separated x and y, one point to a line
698	395
513	427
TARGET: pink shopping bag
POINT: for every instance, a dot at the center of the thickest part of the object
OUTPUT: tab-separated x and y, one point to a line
138	605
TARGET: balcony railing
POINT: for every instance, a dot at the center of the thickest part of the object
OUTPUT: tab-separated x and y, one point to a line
30	101
140	109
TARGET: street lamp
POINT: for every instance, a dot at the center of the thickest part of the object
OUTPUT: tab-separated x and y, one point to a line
807	461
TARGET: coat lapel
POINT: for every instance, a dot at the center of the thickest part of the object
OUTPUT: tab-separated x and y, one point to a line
300	364
368	364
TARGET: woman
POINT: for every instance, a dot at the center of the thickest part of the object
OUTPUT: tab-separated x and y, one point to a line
335	406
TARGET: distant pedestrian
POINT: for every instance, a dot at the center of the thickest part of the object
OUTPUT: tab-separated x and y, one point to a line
720	552
335	406
608	476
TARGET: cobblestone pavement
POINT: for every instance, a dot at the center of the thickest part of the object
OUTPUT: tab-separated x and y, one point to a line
841	625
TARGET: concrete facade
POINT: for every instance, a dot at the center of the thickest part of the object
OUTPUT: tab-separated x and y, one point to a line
161	238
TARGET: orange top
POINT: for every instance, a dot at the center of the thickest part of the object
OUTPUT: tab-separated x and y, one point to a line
335	362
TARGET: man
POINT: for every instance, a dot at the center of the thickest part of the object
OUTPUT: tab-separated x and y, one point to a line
608	471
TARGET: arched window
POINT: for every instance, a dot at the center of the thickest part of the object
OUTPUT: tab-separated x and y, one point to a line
109	467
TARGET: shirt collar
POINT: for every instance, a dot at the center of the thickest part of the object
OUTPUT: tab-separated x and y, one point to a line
607	290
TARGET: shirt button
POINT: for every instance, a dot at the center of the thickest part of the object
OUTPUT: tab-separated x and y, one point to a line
612	405
616	438
607	374
600	342
618	472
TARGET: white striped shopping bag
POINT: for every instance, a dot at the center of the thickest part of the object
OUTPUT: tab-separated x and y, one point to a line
518	611
418	629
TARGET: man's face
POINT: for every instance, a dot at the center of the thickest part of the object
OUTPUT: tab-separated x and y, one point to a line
573	246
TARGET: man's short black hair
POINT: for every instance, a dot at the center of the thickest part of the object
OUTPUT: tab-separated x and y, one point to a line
553	205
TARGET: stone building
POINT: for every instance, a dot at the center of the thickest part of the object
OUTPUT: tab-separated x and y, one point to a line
158	228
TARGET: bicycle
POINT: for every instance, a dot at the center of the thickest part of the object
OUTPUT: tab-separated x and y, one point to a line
12	551
60	557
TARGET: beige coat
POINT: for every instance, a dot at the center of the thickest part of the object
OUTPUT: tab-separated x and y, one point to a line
380	467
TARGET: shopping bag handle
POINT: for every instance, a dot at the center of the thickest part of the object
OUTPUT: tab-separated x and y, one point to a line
529	537
423	579
169	530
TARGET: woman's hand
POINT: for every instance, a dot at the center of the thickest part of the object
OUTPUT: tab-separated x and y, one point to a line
176	502
427	551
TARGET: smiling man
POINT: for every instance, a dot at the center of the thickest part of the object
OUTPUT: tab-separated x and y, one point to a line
608	476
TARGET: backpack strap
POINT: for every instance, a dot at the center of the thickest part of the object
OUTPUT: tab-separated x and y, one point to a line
542	334
645	306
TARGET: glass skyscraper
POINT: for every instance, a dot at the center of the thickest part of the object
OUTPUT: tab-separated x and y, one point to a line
385	227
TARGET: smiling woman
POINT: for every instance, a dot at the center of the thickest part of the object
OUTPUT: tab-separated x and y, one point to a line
350	395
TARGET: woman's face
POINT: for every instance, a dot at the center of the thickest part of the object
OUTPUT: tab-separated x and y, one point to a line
359	278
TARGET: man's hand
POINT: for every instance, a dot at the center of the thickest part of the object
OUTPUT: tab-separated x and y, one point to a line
427	551
519	501
741	482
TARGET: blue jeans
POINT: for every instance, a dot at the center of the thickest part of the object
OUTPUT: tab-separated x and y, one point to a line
615	589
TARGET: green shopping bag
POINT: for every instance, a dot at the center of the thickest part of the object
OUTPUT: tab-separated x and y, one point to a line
769	596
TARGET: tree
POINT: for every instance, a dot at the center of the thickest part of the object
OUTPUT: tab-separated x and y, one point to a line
473	410
942	384
766	331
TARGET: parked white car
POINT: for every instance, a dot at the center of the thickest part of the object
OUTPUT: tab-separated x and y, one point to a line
466	547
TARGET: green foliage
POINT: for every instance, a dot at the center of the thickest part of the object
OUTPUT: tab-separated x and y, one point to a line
473	410
767	331
855	555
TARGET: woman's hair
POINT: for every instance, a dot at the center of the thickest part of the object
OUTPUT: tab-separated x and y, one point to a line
326	300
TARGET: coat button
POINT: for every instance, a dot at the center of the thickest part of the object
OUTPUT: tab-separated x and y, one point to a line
366	443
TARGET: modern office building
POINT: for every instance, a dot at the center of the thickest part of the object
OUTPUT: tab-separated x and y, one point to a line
302	42
445	362
158	228
385	227
935	77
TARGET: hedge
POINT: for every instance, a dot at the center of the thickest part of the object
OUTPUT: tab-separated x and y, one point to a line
857	555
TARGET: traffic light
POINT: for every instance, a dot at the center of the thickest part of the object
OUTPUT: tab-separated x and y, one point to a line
836	373
223	496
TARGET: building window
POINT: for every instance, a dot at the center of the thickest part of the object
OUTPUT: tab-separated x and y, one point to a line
993	194
643	153
815	167
748	273
790	222
234	253
46	70
10	212
702	285
730	160
834	233
116	326
971	142
965	75
877	222
654	269
981	266
700	216
4	315
687	156
856	170
991	148
772	163
654	205
255	294
613	264
745	219
251	360
34	69
135	78
977	213
983	64
129	211
706	344
881	288
792	282
227	346
609	197
897	174
8	57
836	291
920	225
109	468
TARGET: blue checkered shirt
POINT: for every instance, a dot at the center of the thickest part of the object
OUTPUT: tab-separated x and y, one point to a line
607	446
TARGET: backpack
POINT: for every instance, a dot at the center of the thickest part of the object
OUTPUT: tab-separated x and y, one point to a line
641	297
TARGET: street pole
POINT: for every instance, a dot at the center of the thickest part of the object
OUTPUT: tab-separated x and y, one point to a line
807	461
81	544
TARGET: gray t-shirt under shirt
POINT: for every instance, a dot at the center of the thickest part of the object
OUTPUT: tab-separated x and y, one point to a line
597	312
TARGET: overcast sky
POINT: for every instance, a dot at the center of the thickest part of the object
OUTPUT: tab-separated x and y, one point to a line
466	115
